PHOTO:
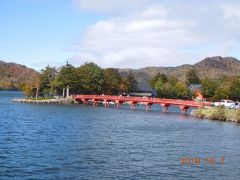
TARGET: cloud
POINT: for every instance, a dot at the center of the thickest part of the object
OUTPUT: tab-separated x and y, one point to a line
231	11
111	6
159	35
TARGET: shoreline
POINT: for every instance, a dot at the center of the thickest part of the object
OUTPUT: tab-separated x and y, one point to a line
68	100
217	114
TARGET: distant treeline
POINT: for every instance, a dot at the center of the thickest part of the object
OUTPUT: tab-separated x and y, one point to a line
227	87
89	78
86	79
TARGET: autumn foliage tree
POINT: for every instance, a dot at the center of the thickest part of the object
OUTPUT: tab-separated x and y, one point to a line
46	81
112	81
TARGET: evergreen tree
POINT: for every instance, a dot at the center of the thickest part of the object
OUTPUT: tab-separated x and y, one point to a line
182	91
132	82
68	77
163	77
208	87
47	77
91	78
192	77
221	92
235	89
112	81
170	87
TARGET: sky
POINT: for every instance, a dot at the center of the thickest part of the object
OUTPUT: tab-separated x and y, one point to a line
118	33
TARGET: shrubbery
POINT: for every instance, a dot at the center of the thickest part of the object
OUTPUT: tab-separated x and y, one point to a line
218	113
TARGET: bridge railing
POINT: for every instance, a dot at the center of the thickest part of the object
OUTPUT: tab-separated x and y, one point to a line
143	99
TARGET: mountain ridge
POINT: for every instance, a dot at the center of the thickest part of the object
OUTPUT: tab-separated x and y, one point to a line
212	67
13	75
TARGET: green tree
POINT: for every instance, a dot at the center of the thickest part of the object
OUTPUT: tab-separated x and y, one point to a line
235	89
131	82
159	87
182	91
124	85
47	77
163	77
68	77
164	89
27	89
170	87
91	78
208	87
192	77
221	92
112	81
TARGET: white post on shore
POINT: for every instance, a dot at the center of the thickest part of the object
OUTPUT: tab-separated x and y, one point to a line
67	93
37	90
63	93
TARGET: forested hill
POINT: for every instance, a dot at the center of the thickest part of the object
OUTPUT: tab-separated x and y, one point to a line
211	67
12	75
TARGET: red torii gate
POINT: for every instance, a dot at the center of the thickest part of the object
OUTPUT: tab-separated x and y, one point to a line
184	105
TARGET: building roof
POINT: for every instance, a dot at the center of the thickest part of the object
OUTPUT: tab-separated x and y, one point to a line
194	87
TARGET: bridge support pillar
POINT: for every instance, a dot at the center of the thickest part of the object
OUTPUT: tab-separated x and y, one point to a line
184	109
132	105
148	107
118	103
165	107
94	102
84	101
106	103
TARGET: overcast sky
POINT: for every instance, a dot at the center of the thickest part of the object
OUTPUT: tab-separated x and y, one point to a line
118	33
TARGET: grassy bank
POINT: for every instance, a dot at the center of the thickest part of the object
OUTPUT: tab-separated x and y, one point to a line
218	113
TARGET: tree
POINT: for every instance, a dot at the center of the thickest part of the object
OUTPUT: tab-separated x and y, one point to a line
112	81
67	77
131	82
159	87
124	85
192	77
164	89
27	89
221	92
182	91
208	87
91	78
47	77
170	87
235	89
160	76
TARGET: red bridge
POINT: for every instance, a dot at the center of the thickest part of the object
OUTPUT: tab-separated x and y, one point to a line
184	105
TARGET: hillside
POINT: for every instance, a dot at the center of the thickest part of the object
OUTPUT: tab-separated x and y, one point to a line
216	67
13	75
211	67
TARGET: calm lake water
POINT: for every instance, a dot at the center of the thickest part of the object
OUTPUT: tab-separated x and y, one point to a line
85	142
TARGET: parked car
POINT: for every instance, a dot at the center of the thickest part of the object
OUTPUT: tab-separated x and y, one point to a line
237	105
226	103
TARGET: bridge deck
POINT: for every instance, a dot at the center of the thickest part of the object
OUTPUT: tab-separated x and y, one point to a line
118	100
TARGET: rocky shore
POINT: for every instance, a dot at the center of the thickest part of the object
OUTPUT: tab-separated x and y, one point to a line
68	100
218	113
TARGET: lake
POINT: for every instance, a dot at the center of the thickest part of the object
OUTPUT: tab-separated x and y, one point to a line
86	142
